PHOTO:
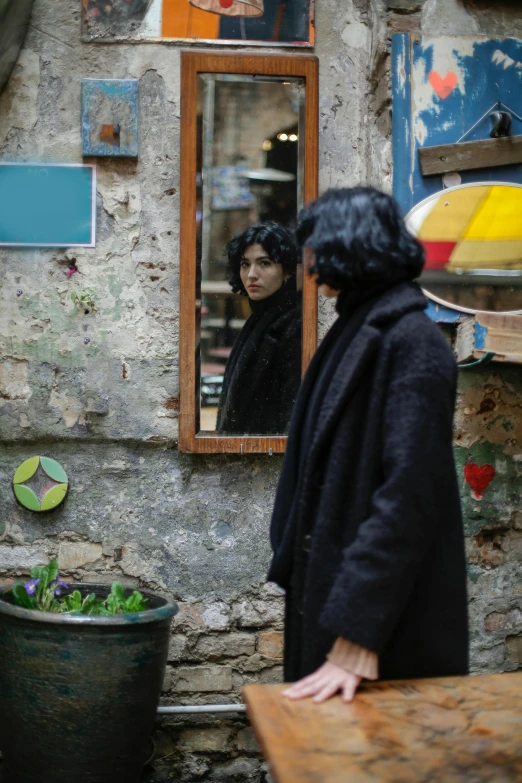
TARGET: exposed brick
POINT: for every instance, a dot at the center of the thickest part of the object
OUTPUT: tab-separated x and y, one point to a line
73	555
254	663
225	645
246	740
216	617
236	771
404	6
205	740
203	679
273	590
401	23
504	621
274	674
167	680
177	647
21	557
188	618
514	644
270	644
14	379
257	614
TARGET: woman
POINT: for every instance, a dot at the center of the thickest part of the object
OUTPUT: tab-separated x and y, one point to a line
366	530
263	371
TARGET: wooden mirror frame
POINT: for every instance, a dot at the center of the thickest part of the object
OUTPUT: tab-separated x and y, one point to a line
192	64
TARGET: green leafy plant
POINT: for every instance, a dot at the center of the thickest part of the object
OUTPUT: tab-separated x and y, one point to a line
46	592
84	300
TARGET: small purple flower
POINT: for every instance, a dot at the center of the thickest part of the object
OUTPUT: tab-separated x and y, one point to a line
30	586
58	585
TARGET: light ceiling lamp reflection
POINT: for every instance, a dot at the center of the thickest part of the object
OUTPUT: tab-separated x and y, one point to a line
231	7
270	175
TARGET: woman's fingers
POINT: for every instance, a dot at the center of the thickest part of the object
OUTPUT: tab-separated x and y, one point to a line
328	690
324	683
350	686
303	685
302	689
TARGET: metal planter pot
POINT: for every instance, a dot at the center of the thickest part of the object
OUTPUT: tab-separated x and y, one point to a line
14	18
79	694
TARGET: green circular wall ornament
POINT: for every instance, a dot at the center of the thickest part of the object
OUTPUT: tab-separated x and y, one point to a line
40	484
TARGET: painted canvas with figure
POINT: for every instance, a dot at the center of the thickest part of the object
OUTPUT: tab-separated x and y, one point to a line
280	22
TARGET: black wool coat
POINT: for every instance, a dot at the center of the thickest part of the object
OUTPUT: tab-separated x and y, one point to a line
263	372
367	531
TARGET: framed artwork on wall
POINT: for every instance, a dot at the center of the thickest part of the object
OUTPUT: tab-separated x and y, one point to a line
233	22
47	205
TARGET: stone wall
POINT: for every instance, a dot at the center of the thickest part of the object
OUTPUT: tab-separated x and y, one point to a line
196	526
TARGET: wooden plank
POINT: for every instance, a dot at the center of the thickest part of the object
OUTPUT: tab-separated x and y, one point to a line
192	63
310	192
499	333
465	340
468	155
413	731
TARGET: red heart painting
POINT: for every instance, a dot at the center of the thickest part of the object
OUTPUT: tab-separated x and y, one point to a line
479	477
443	86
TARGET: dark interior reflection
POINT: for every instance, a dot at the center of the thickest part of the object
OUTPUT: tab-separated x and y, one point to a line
249	172
493	294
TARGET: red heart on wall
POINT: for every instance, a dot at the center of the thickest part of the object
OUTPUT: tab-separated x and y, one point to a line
479	477
443	86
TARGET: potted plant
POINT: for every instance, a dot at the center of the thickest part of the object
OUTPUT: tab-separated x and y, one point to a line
81	669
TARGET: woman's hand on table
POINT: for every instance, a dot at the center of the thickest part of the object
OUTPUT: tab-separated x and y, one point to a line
324	683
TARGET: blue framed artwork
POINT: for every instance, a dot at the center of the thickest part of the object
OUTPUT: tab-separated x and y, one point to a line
110	117
47	205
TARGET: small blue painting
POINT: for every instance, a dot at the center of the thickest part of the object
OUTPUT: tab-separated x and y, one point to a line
44	205
110	117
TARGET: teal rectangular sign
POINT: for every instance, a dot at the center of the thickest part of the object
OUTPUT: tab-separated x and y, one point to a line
47	206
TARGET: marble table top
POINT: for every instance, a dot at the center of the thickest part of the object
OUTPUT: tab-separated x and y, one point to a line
454	729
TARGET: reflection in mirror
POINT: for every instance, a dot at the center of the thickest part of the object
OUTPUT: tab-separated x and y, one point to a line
472	235
248	298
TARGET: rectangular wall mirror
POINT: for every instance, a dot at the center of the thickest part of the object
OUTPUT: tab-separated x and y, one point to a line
248	314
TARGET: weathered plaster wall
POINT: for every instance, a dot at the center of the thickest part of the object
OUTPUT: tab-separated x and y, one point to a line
107	409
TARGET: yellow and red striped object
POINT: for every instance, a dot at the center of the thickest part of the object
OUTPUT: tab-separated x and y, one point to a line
471	227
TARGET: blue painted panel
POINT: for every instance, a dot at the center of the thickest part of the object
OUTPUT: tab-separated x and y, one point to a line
442	314
453	81
47	205
401	117
110	102
481	333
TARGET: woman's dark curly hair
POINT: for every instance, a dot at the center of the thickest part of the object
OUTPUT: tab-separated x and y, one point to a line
358	237
275	240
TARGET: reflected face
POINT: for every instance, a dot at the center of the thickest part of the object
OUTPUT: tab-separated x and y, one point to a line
260	276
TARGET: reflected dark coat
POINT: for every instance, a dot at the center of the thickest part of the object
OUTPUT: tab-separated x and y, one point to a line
263	372
367	530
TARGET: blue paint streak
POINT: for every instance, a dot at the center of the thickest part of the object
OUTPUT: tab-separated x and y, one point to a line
481	333
441	314
402	130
